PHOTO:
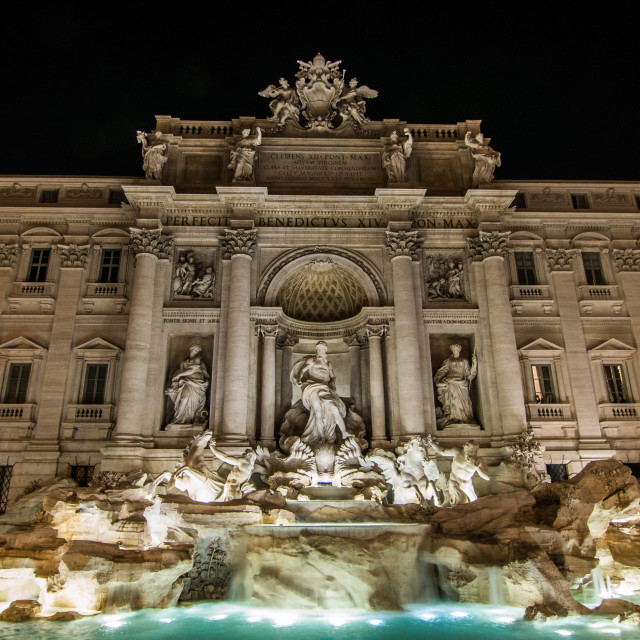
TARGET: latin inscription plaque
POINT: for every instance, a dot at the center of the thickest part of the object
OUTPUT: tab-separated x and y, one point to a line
320	167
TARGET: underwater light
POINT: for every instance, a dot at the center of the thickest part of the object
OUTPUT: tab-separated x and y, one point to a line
253	618
375	622
284	619
427	616
459	614
564	632
219	616
338	621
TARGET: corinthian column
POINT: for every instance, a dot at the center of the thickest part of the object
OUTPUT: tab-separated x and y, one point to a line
403	247
286	343
238	247
375	332
355	378
490	249
627	263
269	333
148	246
7	262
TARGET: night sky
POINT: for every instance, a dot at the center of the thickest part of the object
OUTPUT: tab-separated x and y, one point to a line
557	94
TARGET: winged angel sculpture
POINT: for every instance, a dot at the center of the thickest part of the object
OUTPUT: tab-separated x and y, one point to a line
321	99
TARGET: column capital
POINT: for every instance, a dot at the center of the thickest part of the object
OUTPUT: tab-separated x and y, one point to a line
238	242
488	244
72	256
355	339
561	259
404	243
267	330
625	259
377	330
286	340
150	241
8	254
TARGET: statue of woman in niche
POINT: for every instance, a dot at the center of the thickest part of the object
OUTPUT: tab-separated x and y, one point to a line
452	384
394	158
243	156
188	388
314	375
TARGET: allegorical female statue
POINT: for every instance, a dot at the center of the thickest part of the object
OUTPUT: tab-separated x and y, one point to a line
188	388
394	158
244	155
486	158
153	155
452	384
314	375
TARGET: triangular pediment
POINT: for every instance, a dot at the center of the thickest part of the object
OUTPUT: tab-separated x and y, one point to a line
21	343
97	344
612	345
540	344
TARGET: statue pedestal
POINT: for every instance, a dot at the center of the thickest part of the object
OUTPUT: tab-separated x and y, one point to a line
190	427
463	430
329	492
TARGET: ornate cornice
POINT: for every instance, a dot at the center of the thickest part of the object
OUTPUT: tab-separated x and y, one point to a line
72	256
561	259
626	259
488	244
7	254
404	243
238	242
150	241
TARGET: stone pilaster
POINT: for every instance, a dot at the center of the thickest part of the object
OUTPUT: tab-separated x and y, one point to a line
561	264
238	247
286	343
269	333
148	246
46	440
375	333
403	247
7	265
354	342
490	249
627	264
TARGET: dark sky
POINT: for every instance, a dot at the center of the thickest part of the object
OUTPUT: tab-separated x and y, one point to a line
557	93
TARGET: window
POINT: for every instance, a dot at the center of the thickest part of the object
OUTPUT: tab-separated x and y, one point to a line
6	471
558	472
49	196
519	201
637	199
580	201
17	383
39	265
592	268
525	268
543	383
617	388
94	384
116	196
110	265
82	474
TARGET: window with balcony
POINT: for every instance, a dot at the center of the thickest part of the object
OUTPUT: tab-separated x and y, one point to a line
525	268
543	386
617	387
110	265
593	268
17	383
39	265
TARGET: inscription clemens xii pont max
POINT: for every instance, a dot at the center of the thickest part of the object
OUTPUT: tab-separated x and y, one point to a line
319	166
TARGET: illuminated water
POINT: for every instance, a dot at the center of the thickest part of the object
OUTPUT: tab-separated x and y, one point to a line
234	622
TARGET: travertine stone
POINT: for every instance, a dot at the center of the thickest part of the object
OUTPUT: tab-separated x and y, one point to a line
485	157
238	242
286	343
72	256
354	343
7	254
151	241
561	259
269	333
626	260
404	243
375	333
487	244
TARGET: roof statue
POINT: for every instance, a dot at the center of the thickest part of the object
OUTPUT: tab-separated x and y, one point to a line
321	100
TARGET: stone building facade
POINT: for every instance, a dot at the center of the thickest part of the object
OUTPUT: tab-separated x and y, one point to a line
106	283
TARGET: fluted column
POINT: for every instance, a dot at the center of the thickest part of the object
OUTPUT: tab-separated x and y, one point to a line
286	343
7	263
148	246
490	249
269	333
238	246
72	262
354	343
403	248
375	333
561	264
627	263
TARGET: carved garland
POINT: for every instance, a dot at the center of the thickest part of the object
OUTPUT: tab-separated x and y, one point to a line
489	244
404	243
238	241
561	259
627	259
150	241
294	255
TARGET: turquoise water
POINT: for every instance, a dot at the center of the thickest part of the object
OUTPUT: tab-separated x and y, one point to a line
234	622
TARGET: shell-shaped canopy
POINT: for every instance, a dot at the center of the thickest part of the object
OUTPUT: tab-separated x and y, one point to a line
321	291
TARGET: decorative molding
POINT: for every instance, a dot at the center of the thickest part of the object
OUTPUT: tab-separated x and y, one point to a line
561	259
627	259
72	256
404	243
488	244
17	191
546	195
7	254
610	197
238	242
85	192
444	277
150	241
